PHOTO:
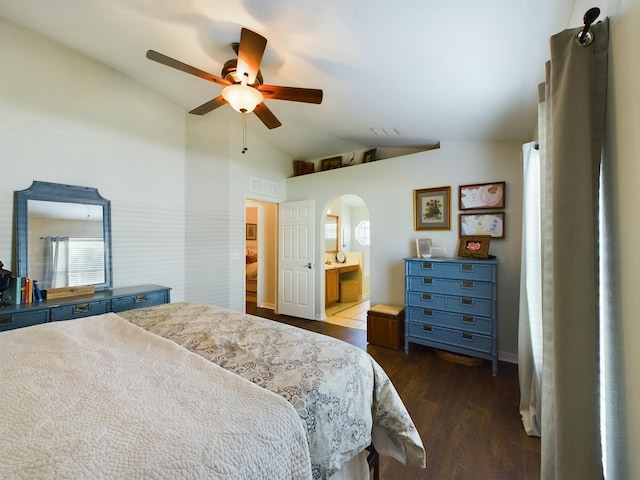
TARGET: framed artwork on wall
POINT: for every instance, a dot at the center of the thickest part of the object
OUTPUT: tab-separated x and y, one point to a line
330	163
251	231
481	196
475	246
491	224
432	208
369	155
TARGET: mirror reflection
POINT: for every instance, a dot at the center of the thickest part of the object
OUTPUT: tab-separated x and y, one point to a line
66	244
63	236
331	234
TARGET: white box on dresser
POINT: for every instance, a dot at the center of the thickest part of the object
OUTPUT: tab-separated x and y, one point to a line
451	304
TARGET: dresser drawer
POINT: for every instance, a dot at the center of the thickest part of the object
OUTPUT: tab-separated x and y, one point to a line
148	299
472	306
79	310
462	271
26	319
463	339
467	288
471	323
426	300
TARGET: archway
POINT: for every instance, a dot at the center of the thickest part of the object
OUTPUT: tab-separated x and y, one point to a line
347	285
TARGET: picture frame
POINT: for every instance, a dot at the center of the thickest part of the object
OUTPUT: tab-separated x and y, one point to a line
369	155
330	163
492	224
474	246
432	209
482	196
251	231
423	247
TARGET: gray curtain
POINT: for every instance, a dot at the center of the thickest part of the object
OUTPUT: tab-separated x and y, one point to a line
56	256
571	132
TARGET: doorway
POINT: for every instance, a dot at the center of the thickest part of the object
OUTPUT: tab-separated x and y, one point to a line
347	261
261	253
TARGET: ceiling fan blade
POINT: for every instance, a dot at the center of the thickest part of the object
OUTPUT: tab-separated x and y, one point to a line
250	53
294	94
209	106
183	67
267	116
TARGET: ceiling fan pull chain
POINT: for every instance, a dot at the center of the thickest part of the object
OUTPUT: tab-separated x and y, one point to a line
244	132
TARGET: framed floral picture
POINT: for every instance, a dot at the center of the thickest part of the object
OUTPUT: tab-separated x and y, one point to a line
482	196
432	208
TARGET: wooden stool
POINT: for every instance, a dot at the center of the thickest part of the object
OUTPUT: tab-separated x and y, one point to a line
385	326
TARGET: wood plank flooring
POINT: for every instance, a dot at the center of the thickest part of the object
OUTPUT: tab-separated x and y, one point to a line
468	420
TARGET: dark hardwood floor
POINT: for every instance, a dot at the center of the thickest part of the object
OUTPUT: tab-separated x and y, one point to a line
468	419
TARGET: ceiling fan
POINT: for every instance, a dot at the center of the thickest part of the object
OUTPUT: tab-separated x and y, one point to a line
242	81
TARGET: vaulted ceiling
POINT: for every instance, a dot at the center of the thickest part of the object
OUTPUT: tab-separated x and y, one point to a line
432	70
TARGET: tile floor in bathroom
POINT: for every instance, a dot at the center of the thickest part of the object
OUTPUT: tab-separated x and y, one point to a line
354	316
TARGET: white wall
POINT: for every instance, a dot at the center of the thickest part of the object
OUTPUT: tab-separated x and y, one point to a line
60	121
206	213
386	186
624	169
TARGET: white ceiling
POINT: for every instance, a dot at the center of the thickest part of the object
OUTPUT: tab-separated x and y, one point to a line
434	70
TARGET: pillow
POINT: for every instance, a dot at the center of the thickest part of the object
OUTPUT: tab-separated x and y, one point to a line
252	258
252	251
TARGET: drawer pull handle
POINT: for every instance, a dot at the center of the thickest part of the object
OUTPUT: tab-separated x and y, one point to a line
427	312
427	328
6	320
81	308
467	284
139	299
427	281
467	336
467	268
467	319
427	265
466	301
426	296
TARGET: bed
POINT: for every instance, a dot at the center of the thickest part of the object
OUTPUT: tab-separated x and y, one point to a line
100	397
251	270
345	400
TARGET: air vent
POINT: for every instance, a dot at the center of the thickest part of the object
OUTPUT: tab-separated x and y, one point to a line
386	132
262	186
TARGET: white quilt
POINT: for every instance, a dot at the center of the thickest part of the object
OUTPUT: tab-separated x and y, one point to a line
102	398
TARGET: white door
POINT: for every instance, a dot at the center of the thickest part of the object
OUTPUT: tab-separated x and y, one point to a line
296	251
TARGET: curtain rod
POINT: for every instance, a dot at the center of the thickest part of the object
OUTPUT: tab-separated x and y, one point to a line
584	37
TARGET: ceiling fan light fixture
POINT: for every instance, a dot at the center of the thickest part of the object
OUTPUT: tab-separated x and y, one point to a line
242	98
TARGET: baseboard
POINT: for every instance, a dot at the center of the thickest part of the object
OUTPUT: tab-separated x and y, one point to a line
270	306
508	357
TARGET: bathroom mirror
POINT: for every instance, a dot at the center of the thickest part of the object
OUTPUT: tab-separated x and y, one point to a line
63	236
331	234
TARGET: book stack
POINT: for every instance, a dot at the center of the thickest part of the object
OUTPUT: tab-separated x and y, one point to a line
23	290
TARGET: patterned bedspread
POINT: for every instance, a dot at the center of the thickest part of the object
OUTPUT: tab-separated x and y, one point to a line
338	390
99	398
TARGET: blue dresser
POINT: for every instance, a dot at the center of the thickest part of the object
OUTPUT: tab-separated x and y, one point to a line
116	300
451	304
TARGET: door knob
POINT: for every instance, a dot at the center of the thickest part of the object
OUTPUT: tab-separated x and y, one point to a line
309	266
